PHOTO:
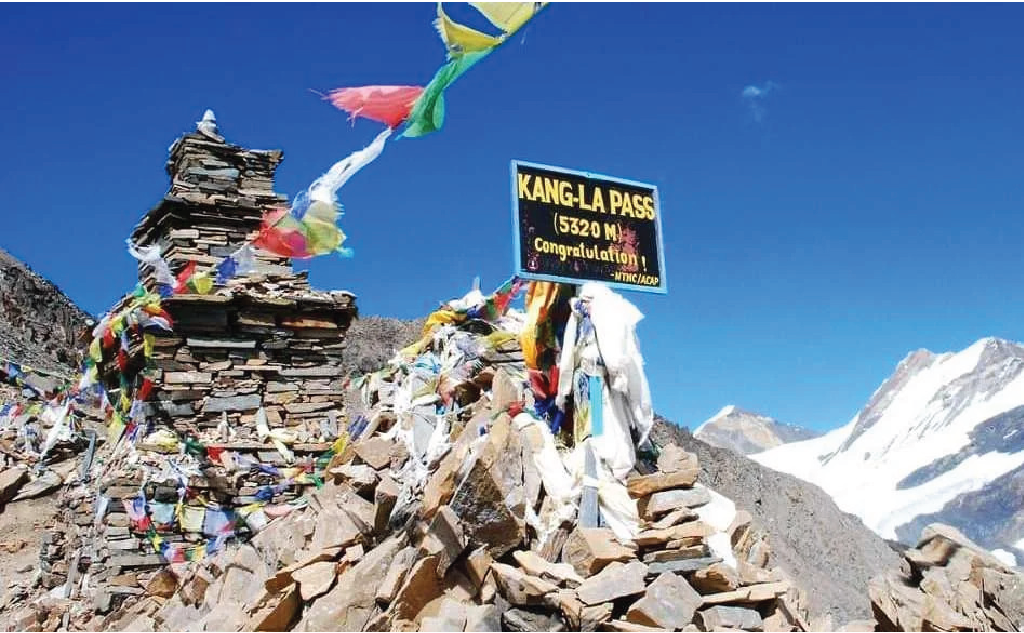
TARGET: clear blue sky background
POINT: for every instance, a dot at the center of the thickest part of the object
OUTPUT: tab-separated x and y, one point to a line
871	206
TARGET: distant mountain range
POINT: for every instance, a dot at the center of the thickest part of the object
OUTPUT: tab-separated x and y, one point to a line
745	432
942	439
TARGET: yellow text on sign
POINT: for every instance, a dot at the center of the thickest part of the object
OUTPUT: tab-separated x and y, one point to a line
597	199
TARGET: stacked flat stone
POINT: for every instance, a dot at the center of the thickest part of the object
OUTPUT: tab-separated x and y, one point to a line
268	341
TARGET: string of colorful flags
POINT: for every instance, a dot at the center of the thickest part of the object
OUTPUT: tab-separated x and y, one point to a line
309	227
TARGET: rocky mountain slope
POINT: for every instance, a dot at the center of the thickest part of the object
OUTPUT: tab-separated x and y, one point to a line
832	552
746	432
811	538
39	324
939	439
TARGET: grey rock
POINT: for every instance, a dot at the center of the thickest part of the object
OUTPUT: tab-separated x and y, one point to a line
684	566
526	621
669	603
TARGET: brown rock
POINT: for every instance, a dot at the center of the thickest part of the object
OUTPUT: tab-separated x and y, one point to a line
682	553
777	622
483	617
641	486
477	564
489	502
445	539
124	580
617	580
334	528
350	604
716	578
739	526
589	550
680	515
558	573
456	585
753	593
669	603
489	589
362	478
673	459
395	577
279	613
752	574
163	584
11	480
451	616
592	617
314	580
385	495
683	532
421	587
441	485
520	588
719	617
375	451
504	391
194	591
660	503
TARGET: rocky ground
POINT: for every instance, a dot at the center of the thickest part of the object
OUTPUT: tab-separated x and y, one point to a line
473	534
460	558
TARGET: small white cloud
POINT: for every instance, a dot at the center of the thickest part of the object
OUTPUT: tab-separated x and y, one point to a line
754	95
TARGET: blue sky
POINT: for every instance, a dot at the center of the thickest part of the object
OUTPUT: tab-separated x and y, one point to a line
867	203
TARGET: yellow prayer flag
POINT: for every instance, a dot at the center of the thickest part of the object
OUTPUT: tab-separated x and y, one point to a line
507	16
461	39
148	342
203	283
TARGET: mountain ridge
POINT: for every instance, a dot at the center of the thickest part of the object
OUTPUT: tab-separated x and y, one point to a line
938	430
746	432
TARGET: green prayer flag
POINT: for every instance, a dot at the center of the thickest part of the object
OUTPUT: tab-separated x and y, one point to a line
427	114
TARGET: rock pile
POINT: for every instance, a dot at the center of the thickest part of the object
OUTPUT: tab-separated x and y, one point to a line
243	394
461	552
948	583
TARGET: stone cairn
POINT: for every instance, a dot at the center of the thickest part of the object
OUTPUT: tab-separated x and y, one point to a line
268	346
376	551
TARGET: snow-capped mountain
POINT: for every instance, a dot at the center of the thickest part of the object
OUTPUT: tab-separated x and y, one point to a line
745	432
941	439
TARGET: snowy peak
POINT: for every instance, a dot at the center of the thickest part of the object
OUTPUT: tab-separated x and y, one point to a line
745	432
939	429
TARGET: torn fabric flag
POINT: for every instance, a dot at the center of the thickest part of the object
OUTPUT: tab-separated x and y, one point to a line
310	227
508	16
459	39
325	187
389	105
150	255
427	115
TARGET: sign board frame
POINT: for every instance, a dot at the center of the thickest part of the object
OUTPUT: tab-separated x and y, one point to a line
661	288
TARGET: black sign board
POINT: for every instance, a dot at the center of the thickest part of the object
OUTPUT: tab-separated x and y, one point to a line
573	227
